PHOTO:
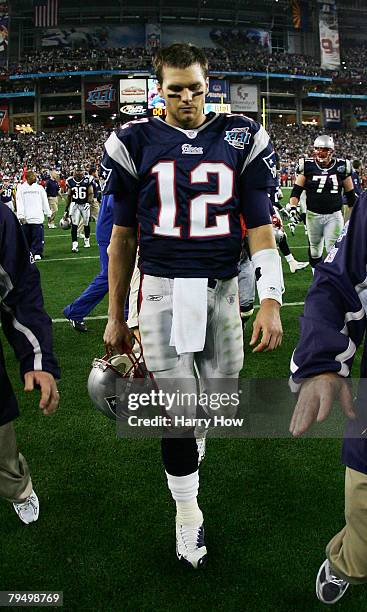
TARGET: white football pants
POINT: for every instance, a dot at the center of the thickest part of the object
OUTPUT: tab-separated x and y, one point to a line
221	360
79	212
323	230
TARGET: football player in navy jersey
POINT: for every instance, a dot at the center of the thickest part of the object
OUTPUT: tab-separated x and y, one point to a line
184	182
7	196
323	177
78	204
332	328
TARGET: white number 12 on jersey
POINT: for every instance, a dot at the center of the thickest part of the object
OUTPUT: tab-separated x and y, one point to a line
198	206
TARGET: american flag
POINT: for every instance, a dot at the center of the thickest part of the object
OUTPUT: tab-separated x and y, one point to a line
45	13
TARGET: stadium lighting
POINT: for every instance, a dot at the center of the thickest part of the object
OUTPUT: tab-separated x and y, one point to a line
71	116
51	117
94	115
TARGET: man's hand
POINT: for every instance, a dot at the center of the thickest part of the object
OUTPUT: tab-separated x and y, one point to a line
269	324
315	401
22	220
49	393
118	337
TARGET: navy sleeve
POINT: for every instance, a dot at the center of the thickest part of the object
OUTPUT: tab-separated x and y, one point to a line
334	317
119	177
25	323
258	178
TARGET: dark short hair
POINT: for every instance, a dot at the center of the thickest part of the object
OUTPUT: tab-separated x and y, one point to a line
179	55
357	164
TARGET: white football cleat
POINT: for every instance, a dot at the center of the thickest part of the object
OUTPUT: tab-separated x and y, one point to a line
51	226
329	588
190	545
74	248
37	258
86	243
28	511
297	265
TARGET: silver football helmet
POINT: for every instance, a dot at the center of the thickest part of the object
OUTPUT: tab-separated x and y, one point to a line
111	379
65	223
324	149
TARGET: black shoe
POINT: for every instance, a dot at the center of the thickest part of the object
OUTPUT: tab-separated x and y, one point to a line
329	588
78	325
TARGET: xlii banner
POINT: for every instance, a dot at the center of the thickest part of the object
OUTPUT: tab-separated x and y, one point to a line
4	118
329	35
244	98
218	92
133	97
333	115
100	97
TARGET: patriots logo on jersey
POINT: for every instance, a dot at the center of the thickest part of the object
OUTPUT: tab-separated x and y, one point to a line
271	163
104	176
238	137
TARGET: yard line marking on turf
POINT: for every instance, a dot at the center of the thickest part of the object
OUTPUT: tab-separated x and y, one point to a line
69	258
104	317
65	235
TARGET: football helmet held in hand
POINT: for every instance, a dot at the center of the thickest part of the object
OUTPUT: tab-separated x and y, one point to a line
111	379
65	222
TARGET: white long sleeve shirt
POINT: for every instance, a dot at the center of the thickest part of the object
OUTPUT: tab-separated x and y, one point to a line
32	203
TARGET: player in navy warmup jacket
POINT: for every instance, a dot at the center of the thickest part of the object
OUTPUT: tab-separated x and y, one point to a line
332	328
28	329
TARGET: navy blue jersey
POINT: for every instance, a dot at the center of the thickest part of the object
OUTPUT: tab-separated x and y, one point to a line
23	319
186	189
52	188
357	182
6	194
324	186
79	189
95	186
334	323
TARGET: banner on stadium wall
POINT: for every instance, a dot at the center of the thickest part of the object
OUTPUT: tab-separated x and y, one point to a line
329	35
4	33
133	91
100	37
218	92
207	36
152	36
244	98
333	115
102	97
4	118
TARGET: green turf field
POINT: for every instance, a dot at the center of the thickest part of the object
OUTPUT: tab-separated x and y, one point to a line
105	535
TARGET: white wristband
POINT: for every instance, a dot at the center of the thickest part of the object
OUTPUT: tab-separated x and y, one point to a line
269	274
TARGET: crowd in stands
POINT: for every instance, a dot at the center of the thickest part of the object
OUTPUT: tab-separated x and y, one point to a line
56	149
62	149
244	57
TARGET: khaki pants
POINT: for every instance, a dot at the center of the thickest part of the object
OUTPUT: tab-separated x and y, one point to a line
53	204
15	480
347	551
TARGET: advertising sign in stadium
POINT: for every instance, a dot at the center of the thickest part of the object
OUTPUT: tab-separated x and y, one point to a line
156	104
217	108
133	91
100	96
218	92
134	109
244	98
